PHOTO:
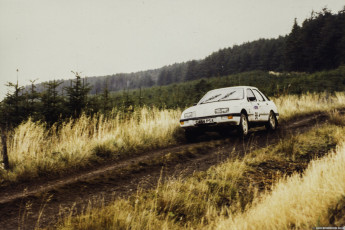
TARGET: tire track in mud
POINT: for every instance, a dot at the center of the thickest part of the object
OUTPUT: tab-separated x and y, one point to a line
20	206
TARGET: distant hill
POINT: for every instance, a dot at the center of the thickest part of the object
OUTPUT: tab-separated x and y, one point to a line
317	44
121	81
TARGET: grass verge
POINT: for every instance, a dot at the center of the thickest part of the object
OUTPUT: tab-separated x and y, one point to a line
35	151
299	202
216	197
292	106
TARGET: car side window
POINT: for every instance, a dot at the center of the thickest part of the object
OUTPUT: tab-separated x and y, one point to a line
258	95
250	93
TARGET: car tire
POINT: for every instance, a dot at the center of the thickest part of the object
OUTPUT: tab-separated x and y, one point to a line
272	122
191	135
243	128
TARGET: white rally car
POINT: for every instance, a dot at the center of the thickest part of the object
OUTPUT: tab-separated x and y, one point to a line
222	109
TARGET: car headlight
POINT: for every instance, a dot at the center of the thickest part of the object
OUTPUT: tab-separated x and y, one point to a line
189	115
221	110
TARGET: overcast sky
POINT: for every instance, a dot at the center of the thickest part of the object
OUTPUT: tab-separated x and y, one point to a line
46	39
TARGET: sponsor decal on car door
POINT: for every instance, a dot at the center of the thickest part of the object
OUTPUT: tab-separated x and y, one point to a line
263	106
255	106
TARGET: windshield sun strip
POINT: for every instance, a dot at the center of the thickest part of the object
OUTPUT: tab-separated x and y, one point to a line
211	98
221	100
227	95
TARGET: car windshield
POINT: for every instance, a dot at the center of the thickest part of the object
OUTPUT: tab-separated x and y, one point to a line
223	95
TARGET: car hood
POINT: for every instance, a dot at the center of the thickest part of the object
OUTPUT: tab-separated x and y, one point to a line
204	110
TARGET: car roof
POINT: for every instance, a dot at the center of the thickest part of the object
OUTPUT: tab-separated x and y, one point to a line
252	87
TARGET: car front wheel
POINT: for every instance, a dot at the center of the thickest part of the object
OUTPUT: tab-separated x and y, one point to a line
244	126
272	122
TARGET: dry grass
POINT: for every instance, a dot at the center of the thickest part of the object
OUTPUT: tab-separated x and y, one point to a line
291	106
298	202
172	205
336	118
35	150
223	196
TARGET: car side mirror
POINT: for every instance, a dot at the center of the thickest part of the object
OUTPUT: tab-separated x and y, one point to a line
251	98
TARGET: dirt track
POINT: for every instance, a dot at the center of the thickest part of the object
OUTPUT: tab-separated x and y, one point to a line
20	205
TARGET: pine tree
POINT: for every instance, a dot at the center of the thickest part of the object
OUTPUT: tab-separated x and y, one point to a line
293	47
105	98
32	102
192	71
12	113
77	96
52	103
14	105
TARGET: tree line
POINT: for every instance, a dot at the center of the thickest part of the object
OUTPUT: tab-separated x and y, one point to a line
184	94
317	44
48	106
53	107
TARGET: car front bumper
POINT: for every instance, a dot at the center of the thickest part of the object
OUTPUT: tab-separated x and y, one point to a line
220	120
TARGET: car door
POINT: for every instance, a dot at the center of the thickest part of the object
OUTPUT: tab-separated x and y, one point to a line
254	106
263	105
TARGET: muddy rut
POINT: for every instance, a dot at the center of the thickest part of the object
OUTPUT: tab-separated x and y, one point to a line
22	205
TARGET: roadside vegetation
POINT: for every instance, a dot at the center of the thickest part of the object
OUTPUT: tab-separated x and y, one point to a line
36	150
51	106
298	203
291	106
270	83
294	184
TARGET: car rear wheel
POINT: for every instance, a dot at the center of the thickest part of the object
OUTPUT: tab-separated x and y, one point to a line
272	122
244	126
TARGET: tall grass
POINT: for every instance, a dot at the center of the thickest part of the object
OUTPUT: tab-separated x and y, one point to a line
290	106
215	198
173	205
35	150
298	202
